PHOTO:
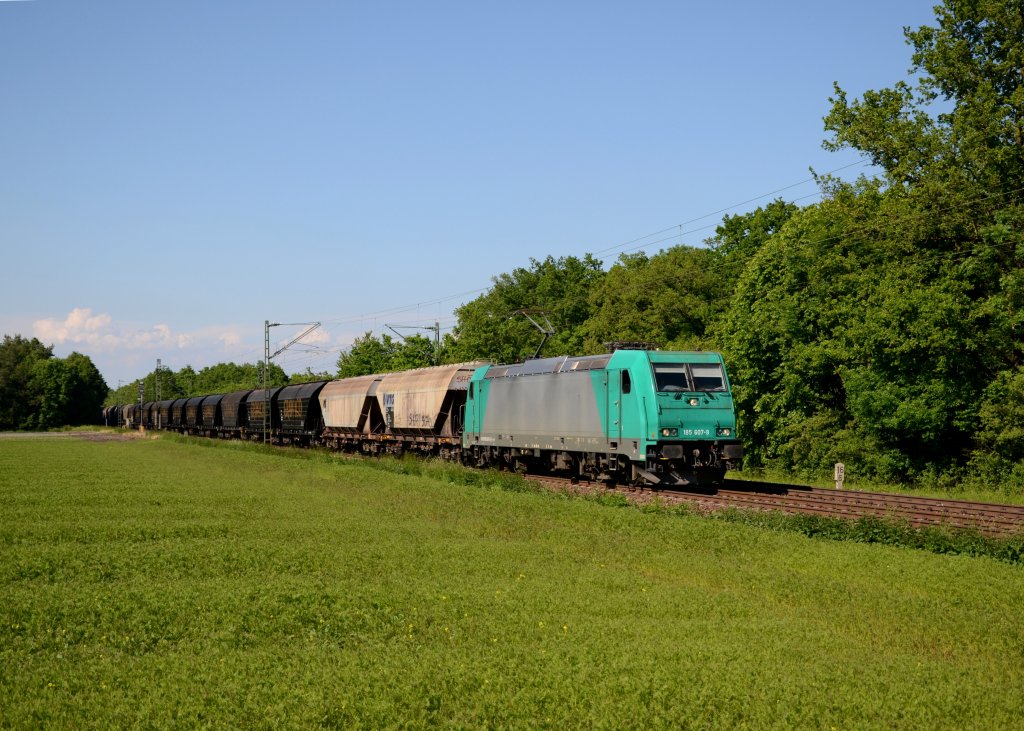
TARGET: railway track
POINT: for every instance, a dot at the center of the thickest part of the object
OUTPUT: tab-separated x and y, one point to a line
990	519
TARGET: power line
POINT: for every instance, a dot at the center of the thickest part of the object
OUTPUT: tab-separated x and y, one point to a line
677	227
347	319
887	224
401	309
728	208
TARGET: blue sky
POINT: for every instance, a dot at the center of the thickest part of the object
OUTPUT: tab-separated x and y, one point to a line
172	174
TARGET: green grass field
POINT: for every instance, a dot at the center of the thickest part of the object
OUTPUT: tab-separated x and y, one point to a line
162	584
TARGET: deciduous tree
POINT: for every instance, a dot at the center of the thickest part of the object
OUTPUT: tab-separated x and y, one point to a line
19	402
489	327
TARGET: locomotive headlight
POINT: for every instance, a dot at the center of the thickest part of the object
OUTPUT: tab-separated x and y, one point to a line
694	402
669	432
724	431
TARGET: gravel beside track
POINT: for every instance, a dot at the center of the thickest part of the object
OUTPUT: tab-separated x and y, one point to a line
991	519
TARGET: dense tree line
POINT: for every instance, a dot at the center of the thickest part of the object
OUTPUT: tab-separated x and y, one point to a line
883	326
39	391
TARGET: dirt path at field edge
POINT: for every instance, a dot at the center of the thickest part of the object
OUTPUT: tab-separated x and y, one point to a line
89	436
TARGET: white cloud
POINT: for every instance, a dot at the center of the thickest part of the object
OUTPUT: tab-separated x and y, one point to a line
78	327
317	337
100	334
230	339
125	350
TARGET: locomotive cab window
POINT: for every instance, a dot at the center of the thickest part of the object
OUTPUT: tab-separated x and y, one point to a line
675	377
627	384
671	377
707	377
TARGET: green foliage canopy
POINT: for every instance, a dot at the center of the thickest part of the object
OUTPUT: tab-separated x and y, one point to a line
489	327
369	355
187	382
670	299
39	391
878	326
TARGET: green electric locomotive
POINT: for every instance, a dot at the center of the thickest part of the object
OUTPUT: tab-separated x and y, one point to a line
632	416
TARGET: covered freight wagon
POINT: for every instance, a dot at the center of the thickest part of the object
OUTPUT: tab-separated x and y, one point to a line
261	417
350	411
423	408
299	412
130	415
193	414
149	414
234	416
211	413
163	413
177	414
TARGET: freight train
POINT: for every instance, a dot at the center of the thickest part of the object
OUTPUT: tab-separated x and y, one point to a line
629	417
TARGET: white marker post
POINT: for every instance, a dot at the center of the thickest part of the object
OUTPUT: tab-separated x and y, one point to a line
839	474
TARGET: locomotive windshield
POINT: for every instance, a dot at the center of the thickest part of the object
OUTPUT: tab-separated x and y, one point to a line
675	377
671	377
707	377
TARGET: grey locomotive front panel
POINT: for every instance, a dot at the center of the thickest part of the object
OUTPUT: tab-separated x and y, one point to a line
550	405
